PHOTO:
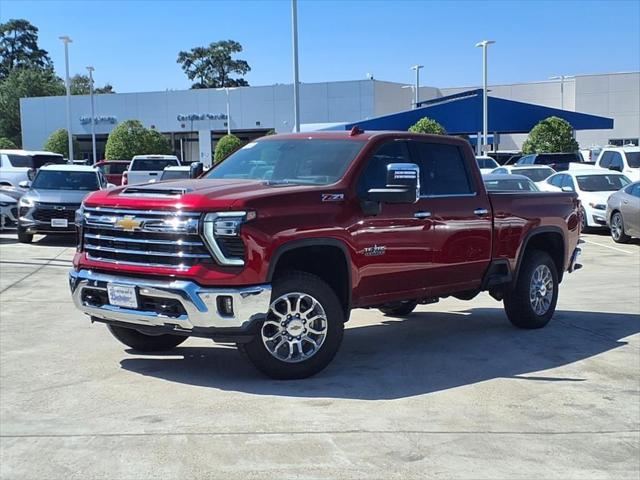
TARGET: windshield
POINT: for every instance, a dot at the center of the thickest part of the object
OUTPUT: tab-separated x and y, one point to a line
292	161
65	180
634	159
174	174
486	163
152	164
602	183
510	185
114	168
535	174
35	161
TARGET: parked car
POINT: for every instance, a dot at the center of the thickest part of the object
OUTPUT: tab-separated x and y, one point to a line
504	157
495	182
144	168
537	174
622	159
176	173
623	213
486	164
21	165
51	201
8	208
590	155
557	161
593	186
274	257
113	169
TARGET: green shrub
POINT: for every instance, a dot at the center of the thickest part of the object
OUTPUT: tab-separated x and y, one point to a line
427	125
130	138
7	144
225	147
58	142
551	135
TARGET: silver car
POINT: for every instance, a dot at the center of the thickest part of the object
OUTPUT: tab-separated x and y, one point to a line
623	213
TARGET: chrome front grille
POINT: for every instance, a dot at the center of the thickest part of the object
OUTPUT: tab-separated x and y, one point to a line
157	238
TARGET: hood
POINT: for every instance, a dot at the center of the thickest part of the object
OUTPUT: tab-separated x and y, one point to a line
192	194
595	197
57	196
4	198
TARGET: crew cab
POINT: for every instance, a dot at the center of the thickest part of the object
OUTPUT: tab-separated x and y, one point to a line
274	246
144	168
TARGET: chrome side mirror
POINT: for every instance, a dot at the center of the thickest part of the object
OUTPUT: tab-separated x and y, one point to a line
403	185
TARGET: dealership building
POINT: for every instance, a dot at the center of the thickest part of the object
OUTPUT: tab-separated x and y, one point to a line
194	120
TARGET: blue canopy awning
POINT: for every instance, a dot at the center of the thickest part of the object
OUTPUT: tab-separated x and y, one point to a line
462	114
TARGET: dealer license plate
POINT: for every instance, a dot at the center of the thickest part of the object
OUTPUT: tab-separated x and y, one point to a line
122	296
59	222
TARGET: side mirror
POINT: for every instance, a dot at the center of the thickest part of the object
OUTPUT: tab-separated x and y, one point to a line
196	169
24	184
403	185
567	189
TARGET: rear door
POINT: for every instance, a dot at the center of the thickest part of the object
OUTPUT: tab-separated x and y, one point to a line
460	212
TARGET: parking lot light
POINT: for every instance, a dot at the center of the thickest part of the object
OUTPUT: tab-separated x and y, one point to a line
485	107
67	40
93	114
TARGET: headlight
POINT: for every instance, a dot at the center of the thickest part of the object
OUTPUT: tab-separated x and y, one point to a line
219	225
598	206
26	202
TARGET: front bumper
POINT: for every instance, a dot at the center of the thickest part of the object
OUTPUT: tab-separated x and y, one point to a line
197	311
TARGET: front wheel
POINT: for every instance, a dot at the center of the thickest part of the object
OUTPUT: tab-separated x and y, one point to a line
617	229
532	302
24	237
145	343
302	331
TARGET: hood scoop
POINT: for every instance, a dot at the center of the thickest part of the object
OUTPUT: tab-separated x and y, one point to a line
155	192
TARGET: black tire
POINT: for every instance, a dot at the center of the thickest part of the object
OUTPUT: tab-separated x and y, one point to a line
308	284
399	309
517	303
618	234
24	237
145	343
584	226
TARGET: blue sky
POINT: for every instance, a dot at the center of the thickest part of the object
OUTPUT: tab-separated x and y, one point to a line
134	44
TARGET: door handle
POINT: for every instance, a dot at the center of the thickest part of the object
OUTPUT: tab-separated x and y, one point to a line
422	215
480	212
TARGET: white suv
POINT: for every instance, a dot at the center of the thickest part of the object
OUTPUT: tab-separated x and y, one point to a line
622	159
20	165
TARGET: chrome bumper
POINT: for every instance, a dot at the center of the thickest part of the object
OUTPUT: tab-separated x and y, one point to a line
250	304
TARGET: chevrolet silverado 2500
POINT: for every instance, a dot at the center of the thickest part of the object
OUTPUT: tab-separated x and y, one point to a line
273	247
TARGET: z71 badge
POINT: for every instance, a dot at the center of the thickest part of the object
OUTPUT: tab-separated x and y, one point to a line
332	197
374	251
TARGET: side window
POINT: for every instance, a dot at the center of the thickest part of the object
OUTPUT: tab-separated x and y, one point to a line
443	170
605	161
567	181
556	180
500	170
616	161
375	173
635	191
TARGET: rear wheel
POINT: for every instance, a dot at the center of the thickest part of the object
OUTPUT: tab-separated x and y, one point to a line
302	331
145	343
617	229
24	237
399	309
532	302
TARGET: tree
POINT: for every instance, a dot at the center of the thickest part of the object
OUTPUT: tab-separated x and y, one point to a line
58	142
6	144
19	48
212	66
19	84
427	125
551	135
225	147
131	138
80	86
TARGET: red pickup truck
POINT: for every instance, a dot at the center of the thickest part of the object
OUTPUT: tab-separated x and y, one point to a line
272	248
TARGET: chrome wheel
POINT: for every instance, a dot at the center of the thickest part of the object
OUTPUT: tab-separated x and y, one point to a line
541	290
616	227
295	328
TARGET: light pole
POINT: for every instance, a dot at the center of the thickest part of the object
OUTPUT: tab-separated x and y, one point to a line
66	40
562	78
485	107
416	92
226	89
296	86
93	115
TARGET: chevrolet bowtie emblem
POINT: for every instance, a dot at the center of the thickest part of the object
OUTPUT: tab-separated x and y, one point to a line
128	223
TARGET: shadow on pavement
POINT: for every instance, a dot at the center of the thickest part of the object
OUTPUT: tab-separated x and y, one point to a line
427	352
66	240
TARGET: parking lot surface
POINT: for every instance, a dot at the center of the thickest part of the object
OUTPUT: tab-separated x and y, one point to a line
454	391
